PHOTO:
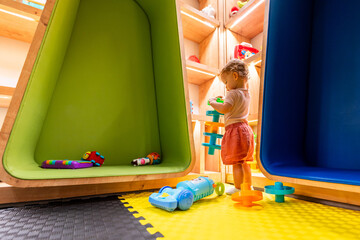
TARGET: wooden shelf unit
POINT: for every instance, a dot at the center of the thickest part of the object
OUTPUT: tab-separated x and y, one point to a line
203	38
249	21
244	27
213	52
18	21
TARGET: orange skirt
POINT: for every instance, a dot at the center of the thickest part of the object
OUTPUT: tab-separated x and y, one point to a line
237	144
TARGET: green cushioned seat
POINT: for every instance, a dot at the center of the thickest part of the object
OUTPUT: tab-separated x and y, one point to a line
108	78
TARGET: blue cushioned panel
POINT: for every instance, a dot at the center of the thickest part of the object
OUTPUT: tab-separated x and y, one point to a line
334	97
311	110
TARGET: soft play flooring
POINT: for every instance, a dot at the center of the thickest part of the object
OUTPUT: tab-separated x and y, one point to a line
219	218
131	216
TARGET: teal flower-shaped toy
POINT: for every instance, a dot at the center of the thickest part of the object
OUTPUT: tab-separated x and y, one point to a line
279	190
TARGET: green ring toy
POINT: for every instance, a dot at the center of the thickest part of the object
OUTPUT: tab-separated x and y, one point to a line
220	188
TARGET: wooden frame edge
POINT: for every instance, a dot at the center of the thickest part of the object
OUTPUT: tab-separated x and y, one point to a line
186	88
21	87
16	102
335	186
10	194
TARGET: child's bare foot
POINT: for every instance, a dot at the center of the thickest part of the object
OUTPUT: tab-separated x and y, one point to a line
232	190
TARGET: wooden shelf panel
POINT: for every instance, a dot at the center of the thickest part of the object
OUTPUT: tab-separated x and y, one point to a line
249	21
196	117
18	21
5	101
196	25
22	9
253	123
253	117
7	90
5	96
255	59
198	73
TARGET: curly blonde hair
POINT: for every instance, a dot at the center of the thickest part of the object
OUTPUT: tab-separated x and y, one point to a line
238	66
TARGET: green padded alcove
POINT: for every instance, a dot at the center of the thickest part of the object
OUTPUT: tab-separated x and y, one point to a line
108	77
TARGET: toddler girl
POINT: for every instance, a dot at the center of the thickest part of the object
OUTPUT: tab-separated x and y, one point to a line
237	146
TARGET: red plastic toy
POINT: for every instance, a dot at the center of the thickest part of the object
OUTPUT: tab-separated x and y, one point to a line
234	11
96	158
243	51
194	59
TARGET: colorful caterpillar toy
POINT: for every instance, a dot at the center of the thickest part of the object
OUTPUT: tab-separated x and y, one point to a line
66	164
89	159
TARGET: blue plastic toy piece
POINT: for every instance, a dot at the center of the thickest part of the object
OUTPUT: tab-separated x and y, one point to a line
213	134
279	190
101	156
212	146
33	4
216	115
185	194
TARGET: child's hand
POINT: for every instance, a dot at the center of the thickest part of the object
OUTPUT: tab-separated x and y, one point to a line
220	97
220	106
212	100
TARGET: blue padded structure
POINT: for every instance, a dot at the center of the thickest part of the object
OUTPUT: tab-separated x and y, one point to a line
311	109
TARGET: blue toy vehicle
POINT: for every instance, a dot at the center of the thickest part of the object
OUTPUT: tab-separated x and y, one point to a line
185	194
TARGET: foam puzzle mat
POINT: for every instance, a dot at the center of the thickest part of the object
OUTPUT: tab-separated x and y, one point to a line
218	217
103	218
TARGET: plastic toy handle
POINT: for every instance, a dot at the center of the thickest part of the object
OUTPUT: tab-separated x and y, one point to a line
162	189
219	188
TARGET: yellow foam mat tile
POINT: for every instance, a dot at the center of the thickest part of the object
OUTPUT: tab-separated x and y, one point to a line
144	222
151	230
219	218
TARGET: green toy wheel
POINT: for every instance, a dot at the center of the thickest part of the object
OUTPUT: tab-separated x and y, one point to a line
220	188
